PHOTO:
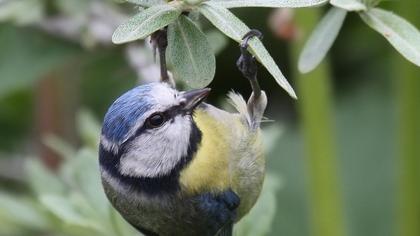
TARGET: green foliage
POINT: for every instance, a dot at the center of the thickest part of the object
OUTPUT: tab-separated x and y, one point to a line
145	23
69	202
88	128
402	35
321	39
349	5
399	32
145	3
234	28
15	118
41	180
21	211
190	54
20	61
159	14
21	12
269	3
217	41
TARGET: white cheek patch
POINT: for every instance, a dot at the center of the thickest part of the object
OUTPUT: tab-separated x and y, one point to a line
157	152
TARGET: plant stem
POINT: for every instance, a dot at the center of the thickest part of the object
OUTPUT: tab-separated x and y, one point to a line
408	93
315	107
55	105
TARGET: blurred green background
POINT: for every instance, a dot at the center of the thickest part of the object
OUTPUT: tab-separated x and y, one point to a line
343	159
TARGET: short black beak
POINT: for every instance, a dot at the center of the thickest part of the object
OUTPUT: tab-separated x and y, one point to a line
191	99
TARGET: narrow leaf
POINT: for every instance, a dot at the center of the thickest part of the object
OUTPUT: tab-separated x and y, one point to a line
59	146
21	211
145	3
86	176
64	209
217	40
399	32
88	128
145	23
349	5
268	3
234	28
321	40
42	180
190	53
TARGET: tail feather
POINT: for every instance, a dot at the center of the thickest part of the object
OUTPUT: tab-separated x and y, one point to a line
253	111
238	102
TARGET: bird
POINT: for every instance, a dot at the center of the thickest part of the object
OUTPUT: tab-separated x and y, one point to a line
172	164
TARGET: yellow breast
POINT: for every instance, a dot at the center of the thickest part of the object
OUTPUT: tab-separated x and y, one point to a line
230	156
209	169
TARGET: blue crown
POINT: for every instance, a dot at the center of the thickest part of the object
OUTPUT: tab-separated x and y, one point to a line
125	111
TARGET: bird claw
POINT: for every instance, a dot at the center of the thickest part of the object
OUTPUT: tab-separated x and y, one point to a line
252	33
247	63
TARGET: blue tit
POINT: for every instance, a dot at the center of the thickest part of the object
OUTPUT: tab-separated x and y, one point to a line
174	165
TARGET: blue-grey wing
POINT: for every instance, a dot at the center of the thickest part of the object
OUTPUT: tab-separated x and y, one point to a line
220	210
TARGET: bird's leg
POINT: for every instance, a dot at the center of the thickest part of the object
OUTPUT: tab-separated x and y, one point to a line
160	43
247	63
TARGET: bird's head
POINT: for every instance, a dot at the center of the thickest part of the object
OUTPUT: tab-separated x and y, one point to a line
149	132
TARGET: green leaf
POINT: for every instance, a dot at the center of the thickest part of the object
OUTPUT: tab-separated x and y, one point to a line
87	179
42	180
190	53
64	209
371	3
145	23
399	32
88	128
268	3
22	212
59	146
145	3
321	40
234	28
21	12
349	5
217	41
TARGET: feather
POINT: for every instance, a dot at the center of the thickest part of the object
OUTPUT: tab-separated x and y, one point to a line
252	111
238	102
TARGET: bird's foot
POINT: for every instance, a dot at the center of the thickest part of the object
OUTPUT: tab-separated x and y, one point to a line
247	63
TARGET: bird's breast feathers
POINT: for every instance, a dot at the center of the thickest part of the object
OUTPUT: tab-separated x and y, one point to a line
229	156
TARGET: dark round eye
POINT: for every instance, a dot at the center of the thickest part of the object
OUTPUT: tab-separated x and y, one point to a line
156	120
